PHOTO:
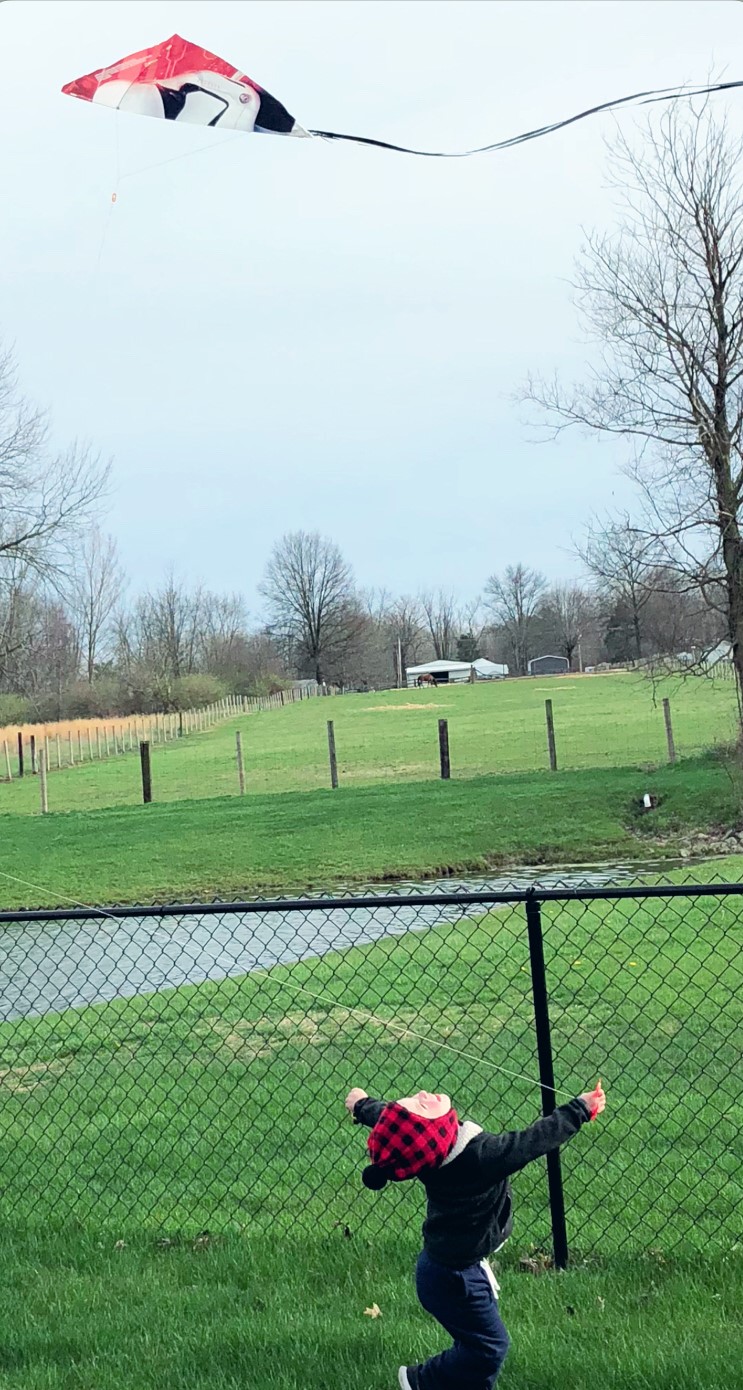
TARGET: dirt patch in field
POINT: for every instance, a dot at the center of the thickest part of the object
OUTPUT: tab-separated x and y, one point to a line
247	1040
382	709
21	1080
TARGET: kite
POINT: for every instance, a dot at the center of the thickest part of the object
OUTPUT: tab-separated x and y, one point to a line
178	81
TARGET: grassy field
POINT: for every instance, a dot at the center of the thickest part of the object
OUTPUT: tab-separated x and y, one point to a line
79	1315
392	737
237	846
129	1129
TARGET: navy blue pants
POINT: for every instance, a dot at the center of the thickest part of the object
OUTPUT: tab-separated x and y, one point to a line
464	1302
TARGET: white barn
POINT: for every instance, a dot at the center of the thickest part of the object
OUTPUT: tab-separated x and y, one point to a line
455	672
489	670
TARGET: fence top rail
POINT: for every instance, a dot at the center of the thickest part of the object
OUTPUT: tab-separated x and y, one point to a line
484	898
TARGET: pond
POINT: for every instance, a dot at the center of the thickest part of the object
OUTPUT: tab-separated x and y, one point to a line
46	967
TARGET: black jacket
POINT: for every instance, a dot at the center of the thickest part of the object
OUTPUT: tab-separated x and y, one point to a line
469	1197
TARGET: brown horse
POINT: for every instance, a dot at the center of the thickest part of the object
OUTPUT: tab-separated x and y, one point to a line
426	679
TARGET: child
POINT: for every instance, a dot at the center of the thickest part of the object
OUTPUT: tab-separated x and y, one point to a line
465	1172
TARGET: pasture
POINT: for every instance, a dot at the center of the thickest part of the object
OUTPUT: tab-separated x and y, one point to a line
386	737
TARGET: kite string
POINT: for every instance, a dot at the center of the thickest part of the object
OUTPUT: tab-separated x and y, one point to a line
187	154
368	1016
405	1032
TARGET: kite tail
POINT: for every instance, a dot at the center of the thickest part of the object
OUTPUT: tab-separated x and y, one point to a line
636	98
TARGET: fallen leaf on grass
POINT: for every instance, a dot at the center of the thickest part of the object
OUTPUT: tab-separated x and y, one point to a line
601	1302
536	1263
120	1245
374	1312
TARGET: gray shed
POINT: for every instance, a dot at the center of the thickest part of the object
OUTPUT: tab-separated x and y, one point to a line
549	666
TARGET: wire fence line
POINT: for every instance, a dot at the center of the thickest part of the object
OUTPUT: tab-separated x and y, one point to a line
78	742
254	747
171	1069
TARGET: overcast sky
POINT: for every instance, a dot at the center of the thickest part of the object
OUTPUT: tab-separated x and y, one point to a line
267	334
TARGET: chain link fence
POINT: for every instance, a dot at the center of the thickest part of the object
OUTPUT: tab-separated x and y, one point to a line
176	1069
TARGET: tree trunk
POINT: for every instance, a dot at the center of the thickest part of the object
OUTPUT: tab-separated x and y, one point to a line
732	550
636	630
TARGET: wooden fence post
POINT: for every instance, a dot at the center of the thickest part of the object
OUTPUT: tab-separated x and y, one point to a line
44	791
59	754
669	731
98	741
20	755
240	766
72	754
80	744
7	759
33	754
333	758
551	736
144	757
444	749
90	744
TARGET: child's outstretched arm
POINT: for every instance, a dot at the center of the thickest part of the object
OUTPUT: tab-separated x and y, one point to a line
364	1110
504	1154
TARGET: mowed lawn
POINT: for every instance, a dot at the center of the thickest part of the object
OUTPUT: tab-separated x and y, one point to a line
239	846
180	1186
392	736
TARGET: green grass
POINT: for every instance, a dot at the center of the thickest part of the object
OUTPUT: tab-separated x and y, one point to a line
239	846
392	737
77	1315
219	1107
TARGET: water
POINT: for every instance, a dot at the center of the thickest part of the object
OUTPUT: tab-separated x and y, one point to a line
48	967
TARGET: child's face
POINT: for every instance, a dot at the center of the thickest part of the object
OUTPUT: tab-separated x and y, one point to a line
428	1105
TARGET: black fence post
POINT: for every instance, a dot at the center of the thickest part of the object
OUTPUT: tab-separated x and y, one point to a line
180	723
546	1074
144	755
444	749
20	755
33	754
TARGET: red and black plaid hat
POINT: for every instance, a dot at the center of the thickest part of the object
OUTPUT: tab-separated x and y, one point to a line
402	1144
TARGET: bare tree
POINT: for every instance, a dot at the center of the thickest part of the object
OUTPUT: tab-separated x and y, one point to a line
569	611
664	293
162	639
513	599
440	613
93	592
45	497
623	559
309	590
405	624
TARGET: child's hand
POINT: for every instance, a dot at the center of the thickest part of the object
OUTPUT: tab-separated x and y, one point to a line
595	1101
353	1096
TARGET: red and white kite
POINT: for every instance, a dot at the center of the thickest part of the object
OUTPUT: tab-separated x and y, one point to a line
178	81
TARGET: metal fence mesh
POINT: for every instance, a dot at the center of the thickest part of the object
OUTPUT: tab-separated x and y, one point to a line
184	1068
